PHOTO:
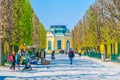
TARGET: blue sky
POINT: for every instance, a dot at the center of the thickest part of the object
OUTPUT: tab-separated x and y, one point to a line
60	12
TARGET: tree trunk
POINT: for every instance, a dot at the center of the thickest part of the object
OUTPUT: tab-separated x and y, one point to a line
1	52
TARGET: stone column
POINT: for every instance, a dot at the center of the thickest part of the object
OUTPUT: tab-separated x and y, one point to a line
1	52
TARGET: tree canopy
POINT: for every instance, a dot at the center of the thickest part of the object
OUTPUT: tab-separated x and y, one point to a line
19	23
100	24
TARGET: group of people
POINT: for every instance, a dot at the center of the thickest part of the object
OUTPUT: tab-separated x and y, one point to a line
18	58
23	57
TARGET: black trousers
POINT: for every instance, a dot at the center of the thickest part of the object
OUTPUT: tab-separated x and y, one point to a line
13	65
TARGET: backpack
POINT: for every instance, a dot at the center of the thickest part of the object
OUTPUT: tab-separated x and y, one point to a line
10	58
71	54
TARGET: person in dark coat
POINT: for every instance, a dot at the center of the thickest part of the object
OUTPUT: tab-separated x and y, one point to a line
13	61
71	55
53	55
44	54
38	56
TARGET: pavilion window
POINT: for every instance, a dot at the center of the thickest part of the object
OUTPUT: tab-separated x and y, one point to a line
59	44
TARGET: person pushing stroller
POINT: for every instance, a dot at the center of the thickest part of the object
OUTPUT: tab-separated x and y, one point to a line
27	61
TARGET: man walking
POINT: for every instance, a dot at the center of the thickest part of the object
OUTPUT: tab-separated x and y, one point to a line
71	55
53	55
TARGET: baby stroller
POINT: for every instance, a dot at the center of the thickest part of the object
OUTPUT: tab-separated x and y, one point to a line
27	64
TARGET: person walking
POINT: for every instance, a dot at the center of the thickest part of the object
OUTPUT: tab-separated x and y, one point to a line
27	56
43	56
71	55
18	58
27	61
53	55
13	61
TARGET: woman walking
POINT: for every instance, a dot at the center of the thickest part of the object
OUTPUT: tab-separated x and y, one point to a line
13	61
18	58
